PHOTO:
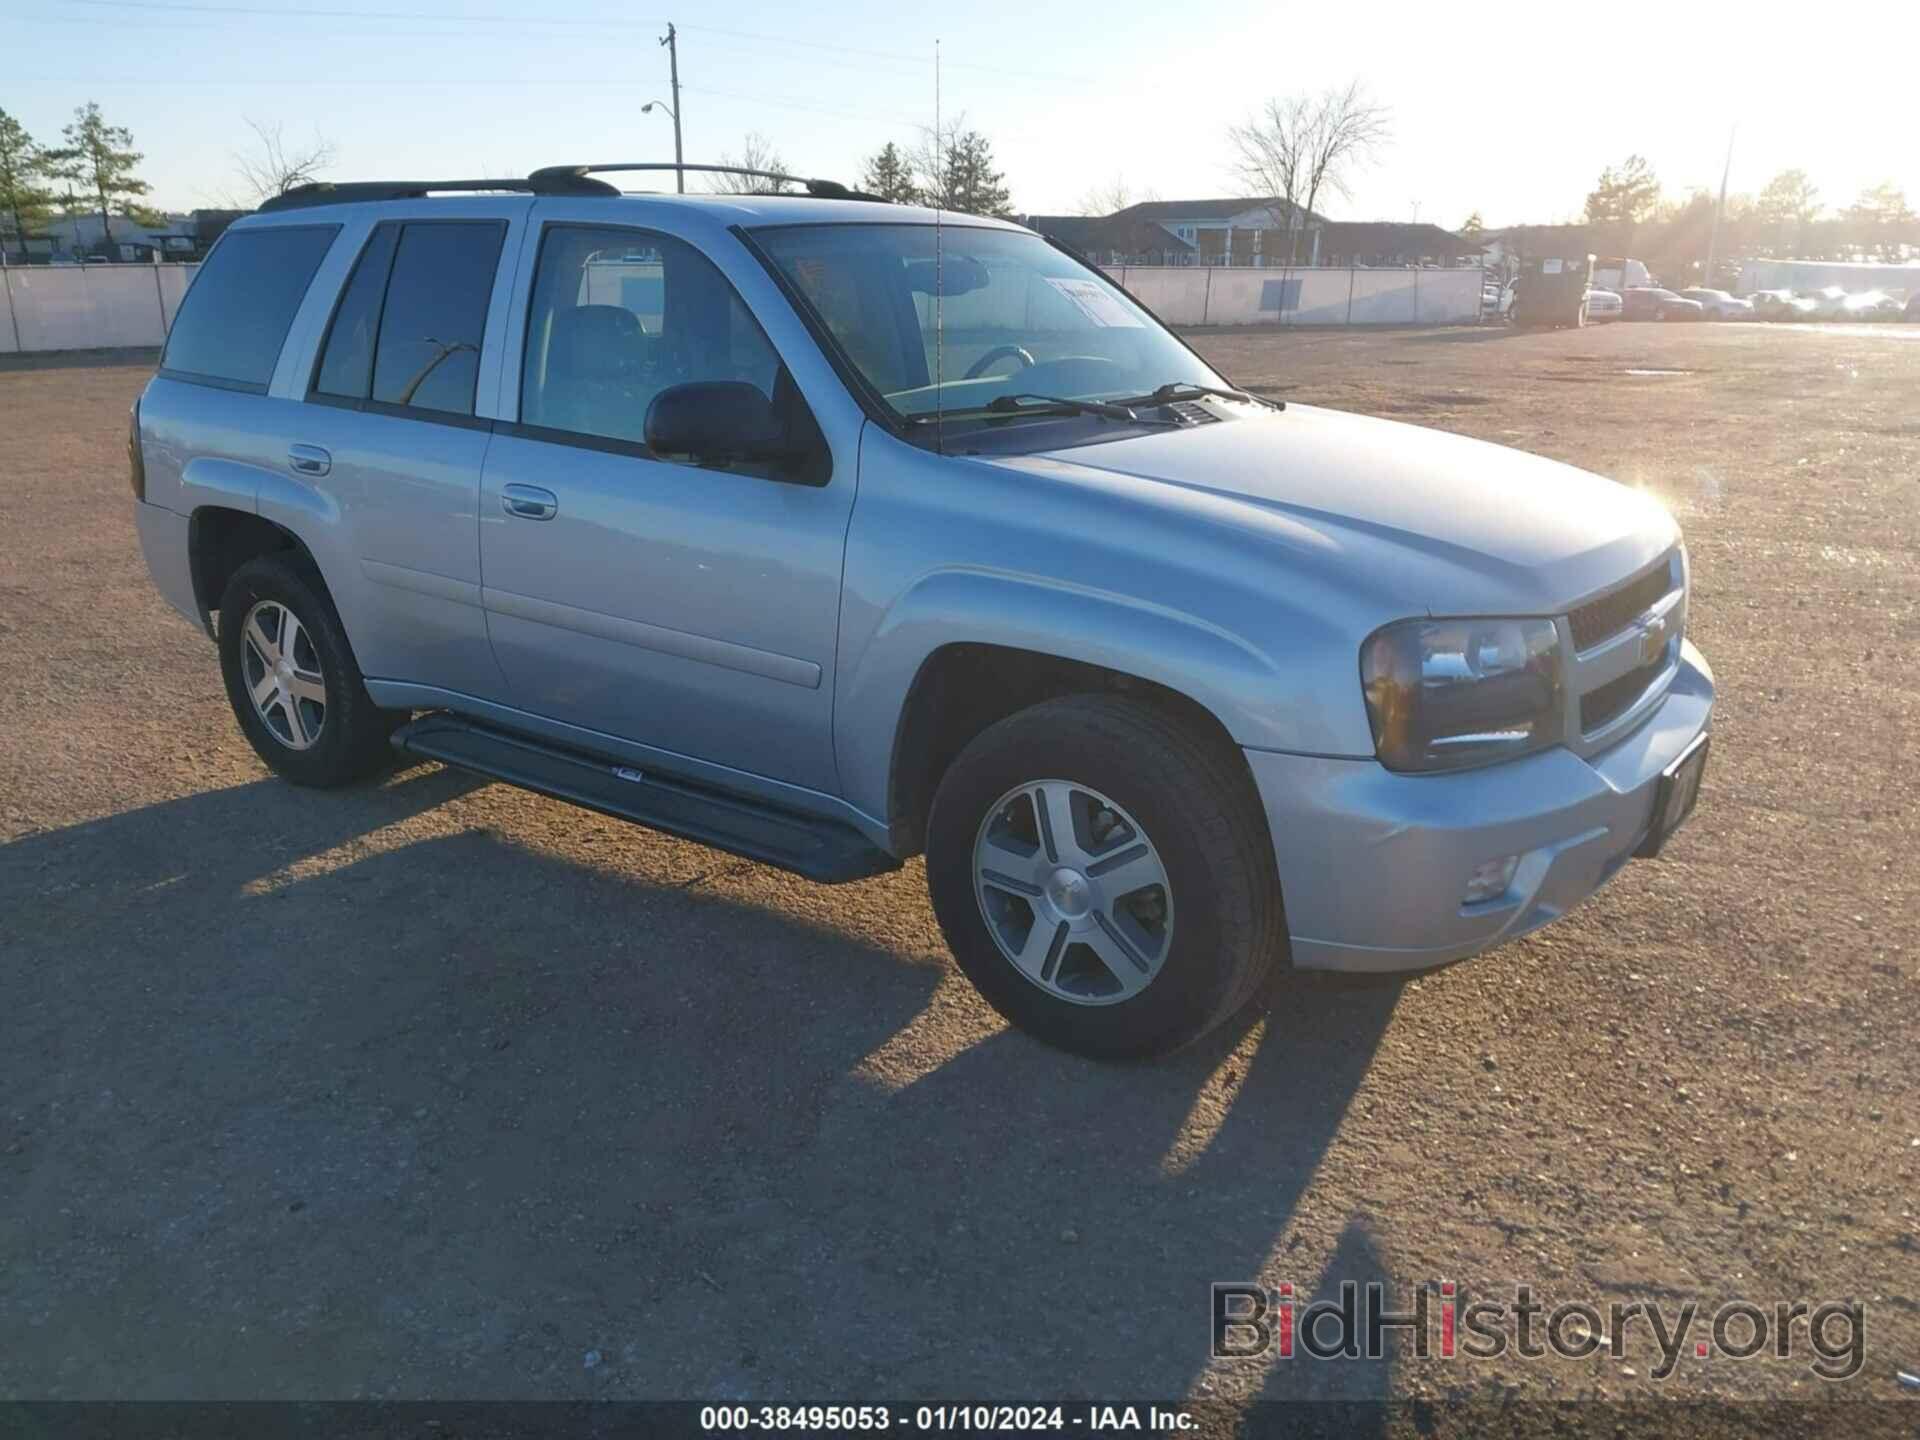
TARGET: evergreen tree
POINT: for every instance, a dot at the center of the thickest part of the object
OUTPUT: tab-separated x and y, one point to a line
969	183
23	202
889	175
1785	209
1625	196
1879	220
101	158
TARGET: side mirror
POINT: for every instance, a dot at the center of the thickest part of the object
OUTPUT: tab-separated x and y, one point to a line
717	420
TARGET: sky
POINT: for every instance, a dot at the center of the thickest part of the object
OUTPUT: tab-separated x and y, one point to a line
1512	117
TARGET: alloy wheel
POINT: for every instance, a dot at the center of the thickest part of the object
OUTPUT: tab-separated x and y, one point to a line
283	674
1073	891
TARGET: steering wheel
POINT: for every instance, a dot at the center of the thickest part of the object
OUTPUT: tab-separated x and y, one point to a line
1000	352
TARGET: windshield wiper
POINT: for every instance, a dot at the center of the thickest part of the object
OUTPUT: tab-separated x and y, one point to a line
1181	390
1026	404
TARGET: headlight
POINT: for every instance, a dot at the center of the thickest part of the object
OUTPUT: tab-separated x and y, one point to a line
1445	694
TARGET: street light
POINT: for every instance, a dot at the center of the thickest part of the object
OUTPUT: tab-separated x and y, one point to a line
679	175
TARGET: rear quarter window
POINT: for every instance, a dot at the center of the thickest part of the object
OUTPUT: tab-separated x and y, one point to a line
236	314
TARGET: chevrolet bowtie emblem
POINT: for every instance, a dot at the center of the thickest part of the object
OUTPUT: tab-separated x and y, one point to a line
1653	640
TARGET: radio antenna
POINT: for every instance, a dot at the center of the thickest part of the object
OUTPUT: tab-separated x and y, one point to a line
939	277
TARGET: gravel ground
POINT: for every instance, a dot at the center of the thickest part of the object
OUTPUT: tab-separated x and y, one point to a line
434	1088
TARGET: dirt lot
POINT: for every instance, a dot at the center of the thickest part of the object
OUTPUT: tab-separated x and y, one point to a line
435	1088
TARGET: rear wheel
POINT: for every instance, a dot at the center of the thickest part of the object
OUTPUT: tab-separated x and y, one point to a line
292	680
1104	876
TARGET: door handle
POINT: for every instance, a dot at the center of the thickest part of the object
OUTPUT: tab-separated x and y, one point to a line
308	460
529	502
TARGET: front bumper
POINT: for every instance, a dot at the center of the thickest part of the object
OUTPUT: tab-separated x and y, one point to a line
1373	864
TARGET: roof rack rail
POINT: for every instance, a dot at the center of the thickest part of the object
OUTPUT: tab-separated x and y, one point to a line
326	192
819	189
549	180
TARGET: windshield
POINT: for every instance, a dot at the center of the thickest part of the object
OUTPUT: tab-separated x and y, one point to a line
1015	317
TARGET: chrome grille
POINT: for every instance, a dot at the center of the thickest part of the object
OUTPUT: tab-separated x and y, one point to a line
1626	644
1610	701
1602	619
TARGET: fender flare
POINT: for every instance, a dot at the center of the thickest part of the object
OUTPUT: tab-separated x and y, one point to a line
1216	669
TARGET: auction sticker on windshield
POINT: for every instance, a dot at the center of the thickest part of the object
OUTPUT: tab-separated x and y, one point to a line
1100	305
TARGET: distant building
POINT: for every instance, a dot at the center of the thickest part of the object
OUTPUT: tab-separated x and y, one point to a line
1505	250
1115	239
1232	231
1388	244
78	234
179	237
1803	276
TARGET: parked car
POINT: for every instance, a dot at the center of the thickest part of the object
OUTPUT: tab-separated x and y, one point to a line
1829	303
666	506
1868	305
1648	302
1603	305
1719	305
1912	311
1779	305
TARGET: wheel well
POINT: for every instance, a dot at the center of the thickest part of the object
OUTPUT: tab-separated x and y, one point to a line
962	689
220	541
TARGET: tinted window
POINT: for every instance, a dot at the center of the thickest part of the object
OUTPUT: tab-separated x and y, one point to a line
428	355
620	315
346	364
235	317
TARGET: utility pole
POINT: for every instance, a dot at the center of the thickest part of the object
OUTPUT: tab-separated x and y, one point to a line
673	61
1713	236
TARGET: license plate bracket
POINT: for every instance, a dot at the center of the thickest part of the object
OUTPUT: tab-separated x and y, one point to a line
1675	798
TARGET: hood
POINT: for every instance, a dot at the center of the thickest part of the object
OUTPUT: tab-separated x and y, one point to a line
1454	524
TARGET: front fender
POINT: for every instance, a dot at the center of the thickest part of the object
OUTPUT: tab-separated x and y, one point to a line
1238	683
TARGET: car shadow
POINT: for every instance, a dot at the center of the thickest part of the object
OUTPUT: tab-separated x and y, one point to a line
302	1104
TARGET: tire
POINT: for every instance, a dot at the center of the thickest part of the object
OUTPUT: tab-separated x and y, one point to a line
1203	938
345	735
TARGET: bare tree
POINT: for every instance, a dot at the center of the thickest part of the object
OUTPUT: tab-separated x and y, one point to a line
1271	156
929	158
756	153
272	168
1303	146
1108	198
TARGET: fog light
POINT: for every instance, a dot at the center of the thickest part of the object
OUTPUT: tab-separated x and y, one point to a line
1490	879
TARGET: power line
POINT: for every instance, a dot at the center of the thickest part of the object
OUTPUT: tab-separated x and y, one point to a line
205	7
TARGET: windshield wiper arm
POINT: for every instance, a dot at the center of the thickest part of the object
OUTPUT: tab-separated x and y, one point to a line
1027	404
1181	390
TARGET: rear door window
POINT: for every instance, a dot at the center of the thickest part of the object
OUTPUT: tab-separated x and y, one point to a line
346	363
427	356
237	312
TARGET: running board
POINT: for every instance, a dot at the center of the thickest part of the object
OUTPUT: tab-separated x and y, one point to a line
822	850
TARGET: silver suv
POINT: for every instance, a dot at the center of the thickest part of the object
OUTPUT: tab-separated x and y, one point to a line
829	532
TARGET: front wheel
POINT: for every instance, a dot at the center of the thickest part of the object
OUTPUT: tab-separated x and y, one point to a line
1104	875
